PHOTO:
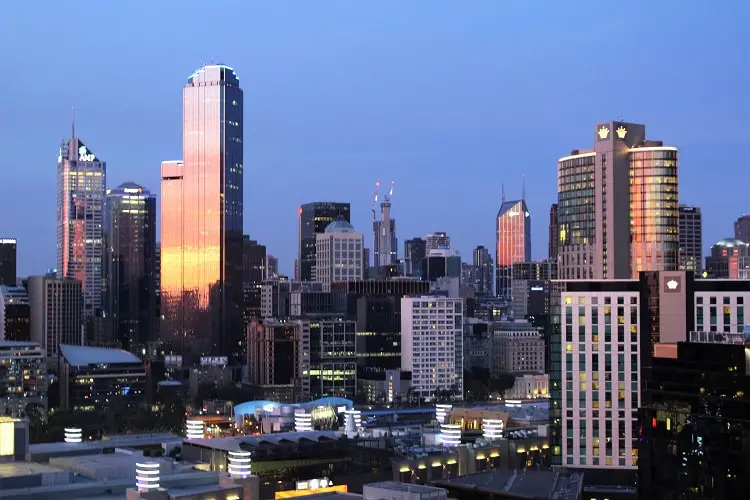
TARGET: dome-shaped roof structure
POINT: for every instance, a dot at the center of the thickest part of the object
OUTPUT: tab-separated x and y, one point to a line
339	226
730	243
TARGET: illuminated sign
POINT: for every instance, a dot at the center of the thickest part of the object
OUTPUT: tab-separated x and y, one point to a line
314	484
527	213
133	190
269	408
85	155
672	284
513	213
8	241
603	132
7	436
621	132
339	488
537	288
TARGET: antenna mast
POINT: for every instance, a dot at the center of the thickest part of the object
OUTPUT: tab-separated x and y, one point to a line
73	121
502	193
375	201
523	187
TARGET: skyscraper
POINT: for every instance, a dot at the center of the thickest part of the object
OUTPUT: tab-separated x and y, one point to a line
742	228
554	234
131	265
338	254
617	206
513	239
202	201
415	251
8	261
81	181
691	238
437	241
484	269
385	243
313	219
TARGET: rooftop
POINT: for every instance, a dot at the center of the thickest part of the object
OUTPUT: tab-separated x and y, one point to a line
730	243
339	226
117	441
78	355
14	469
522	484
235	442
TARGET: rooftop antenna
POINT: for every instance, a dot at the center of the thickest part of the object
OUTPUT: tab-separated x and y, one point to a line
502	193
523	187
73	121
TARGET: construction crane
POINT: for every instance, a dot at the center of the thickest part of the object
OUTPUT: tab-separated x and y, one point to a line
375	201
387	197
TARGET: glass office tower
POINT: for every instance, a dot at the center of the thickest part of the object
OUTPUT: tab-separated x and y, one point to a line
201	243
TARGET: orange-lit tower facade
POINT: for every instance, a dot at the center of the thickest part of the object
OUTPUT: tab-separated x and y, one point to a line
201	222
513	242
81	181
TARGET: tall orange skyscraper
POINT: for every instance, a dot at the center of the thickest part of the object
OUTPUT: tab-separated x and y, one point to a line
201	222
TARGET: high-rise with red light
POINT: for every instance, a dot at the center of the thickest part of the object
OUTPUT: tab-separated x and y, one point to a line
513	242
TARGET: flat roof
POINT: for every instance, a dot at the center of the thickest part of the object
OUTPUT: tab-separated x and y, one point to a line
78	355
408	487
14	469
116	441
559	485
233	443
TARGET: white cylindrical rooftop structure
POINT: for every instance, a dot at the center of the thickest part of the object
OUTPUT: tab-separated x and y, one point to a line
194	429
147	476
73	435
492	428
442	411
450	435
302	421
239	463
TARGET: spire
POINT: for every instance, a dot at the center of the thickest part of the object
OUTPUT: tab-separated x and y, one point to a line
502	193
73	122
523	188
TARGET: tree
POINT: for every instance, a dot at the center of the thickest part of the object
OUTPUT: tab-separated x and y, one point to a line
501	382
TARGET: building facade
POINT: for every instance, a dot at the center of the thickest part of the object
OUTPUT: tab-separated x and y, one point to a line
432	345
15	313
56	312
437	241
554	232
202	221
518	348
617	206
385	242
513	243
691	238
415	251
130	222
333	358
729	259
742	228
81	181
314	218
339	253
23	380
8	256
278	359
485	270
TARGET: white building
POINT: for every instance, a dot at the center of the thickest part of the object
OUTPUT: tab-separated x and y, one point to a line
432	344
600	378
339	253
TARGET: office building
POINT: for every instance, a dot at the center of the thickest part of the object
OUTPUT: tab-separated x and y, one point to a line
15	313
295	299
527	279
485	271
729	259
415	250
272	267
517	348
691	238
333	359
254	261
604	333
385	243
278	359
432	345
441	263
338	253
513	243
56	312
437	241
202	221
742	228
617	206
23	380
554	232
314	218
94	378
81	181
130	222
694	421
8	254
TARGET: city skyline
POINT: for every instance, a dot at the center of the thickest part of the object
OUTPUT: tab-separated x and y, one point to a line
137	130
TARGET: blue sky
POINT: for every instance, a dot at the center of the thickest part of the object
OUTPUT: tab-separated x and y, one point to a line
450	100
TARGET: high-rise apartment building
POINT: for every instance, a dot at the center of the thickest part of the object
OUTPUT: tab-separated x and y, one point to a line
81	181
15	314
23	380
55	312
313	220
254	261
432	345
691	238
130	222
554	232
742	228
8	261
485	270
617	206
201	225
437	241
338	253
272	267
513	243
729	259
